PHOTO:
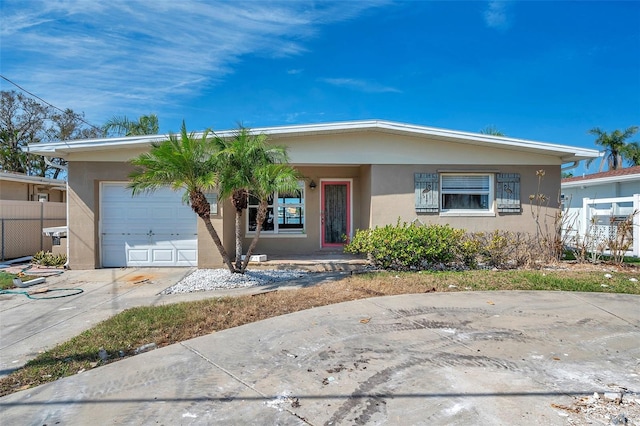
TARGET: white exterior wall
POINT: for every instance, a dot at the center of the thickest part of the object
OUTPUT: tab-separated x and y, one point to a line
627	189
576	218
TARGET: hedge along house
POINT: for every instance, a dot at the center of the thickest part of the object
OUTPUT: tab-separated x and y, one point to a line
357	175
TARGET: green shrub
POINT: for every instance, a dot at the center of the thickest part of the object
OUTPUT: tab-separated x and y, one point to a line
506	249
496	247
49	259
409	246
469	250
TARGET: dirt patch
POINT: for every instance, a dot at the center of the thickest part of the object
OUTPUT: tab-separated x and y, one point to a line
140	278
615	408
572	265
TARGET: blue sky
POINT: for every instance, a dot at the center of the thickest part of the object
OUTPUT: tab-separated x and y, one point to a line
547	71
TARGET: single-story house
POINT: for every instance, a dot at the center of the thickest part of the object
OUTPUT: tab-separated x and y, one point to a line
358	175
613	183
595	203
20	187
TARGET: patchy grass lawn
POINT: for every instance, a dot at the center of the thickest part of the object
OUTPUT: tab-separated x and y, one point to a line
167	324
6	280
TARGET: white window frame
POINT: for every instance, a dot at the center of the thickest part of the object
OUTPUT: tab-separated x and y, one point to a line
212	198
489	211
277	232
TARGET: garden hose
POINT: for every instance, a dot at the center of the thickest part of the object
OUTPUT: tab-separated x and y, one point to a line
49	273
32	294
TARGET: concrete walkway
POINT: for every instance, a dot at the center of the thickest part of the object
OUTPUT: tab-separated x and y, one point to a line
427	359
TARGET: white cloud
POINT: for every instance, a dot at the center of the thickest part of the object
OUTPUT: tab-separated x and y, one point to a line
359	85
123	56
302	117
496	16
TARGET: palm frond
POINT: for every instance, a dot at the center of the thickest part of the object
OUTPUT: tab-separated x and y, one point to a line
614	144
123	126
180	162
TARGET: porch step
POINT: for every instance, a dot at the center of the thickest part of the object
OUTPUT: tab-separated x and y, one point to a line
256	258
314	265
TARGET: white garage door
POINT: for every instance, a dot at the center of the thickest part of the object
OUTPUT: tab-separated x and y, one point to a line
148	229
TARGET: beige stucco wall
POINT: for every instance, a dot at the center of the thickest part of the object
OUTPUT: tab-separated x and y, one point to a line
392	197
21	191
369	147
386	148
309	242
84	215
14	191
365	209
380	165
84	209
208	254
382	194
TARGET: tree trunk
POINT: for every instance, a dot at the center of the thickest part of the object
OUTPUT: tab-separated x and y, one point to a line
262	213
202	208
218	243
239	199
239	242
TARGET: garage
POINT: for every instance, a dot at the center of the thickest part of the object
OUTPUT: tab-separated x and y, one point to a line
147	230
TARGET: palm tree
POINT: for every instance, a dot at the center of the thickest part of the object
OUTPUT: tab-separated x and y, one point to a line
491	130
122	126
613	144
185	162
240	161
631	153
267	180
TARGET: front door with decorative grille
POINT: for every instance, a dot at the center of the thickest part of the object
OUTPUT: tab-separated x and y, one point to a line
336	212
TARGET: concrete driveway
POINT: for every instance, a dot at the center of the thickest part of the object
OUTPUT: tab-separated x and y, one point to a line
31	326
439	358
28	327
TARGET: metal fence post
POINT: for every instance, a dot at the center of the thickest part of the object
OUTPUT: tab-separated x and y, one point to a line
2	233
636	225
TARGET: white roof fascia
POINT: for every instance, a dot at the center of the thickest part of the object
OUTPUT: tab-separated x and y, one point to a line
30	179
601	181
566	153
60	149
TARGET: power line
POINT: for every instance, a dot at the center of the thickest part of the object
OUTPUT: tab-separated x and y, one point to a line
49	104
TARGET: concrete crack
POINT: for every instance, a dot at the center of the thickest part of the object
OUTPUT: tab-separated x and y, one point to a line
239	380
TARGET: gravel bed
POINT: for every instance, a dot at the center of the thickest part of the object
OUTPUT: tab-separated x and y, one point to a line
222	279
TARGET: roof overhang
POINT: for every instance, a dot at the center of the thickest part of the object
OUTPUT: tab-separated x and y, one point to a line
601	181
36	180
564	152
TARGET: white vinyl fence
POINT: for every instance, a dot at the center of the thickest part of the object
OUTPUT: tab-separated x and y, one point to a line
599	219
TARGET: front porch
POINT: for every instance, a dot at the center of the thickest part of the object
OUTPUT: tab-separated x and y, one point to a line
320	261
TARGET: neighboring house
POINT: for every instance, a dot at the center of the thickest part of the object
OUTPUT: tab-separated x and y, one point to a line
594	204
27	205
357	175
16	186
